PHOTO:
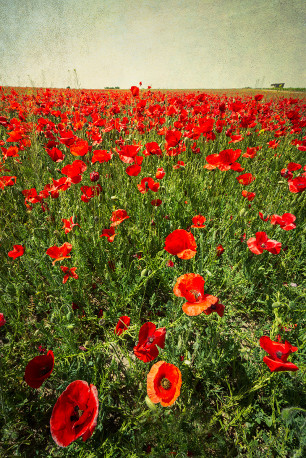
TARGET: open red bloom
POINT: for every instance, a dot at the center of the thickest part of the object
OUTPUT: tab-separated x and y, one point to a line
135	91
297	184
69	273
101	156
55	154
133	170
109	233
39	369
172	138
191	287
59	253
249	195
122	325
118	216
69	224
152	148
164	383
148	338
278	355
286	221
75	413
146	184
160	173
7	181
181	243
2	320
225	160
18	250
79	147
198	221
262	242
245	179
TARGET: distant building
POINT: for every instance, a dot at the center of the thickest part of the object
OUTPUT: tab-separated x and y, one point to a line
278	85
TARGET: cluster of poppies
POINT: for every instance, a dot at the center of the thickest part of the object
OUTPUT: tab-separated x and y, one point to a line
76	410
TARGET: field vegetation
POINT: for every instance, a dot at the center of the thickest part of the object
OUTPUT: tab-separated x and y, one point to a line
116	207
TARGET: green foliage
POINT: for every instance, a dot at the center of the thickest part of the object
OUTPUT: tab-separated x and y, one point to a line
230	403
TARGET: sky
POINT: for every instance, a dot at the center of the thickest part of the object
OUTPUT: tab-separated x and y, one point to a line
178	44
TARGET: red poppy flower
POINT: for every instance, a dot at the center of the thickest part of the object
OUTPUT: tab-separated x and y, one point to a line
152	148
218	308
172	138
2	320
94	176
75	413
170	263
59	253
286	221
164	383
273	144
69	224
278	355
79	147
181	243
248	195
251	151
101	156
179	165
109	233
160	173
225	160
118	216
156	202
18	250
146	184
7	181
135	91
133	170
258	97
128	154
219	249
39	369
74	171
293	166
198	221
55	154
235	138
148	338
262	242
69	273
191	287
67	138
245	179
298	184
122	325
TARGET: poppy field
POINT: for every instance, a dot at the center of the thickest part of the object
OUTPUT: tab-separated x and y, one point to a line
152	250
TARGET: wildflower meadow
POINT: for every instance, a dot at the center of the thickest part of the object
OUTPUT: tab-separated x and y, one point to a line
152	259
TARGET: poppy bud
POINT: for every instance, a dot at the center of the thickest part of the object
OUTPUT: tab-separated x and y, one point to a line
94	176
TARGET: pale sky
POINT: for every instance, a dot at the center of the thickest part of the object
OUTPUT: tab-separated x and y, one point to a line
179	44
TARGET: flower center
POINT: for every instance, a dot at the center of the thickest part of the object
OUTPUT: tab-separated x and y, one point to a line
279	354
213	307
195	293
165	383
151	339
263	245
76	414
44	370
